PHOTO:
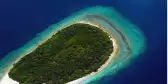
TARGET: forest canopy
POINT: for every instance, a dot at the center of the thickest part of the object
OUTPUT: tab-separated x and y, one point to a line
71	53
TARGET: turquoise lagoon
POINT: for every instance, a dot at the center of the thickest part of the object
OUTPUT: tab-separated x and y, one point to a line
130	40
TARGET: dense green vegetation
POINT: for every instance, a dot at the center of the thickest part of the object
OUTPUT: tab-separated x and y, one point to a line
70	54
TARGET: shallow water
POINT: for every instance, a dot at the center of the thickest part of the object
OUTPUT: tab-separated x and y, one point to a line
130	39
21	20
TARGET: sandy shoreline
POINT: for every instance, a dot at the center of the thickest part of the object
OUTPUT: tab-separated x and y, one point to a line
7	80
115	50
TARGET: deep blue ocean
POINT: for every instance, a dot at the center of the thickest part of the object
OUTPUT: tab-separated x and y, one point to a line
21	20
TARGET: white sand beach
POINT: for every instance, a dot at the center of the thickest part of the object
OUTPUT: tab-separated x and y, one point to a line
115	50
7	80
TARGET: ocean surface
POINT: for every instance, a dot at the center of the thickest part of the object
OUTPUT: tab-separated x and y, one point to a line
20	21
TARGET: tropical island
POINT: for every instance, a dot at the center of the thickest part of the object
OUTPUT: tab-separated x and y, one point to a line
71	53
